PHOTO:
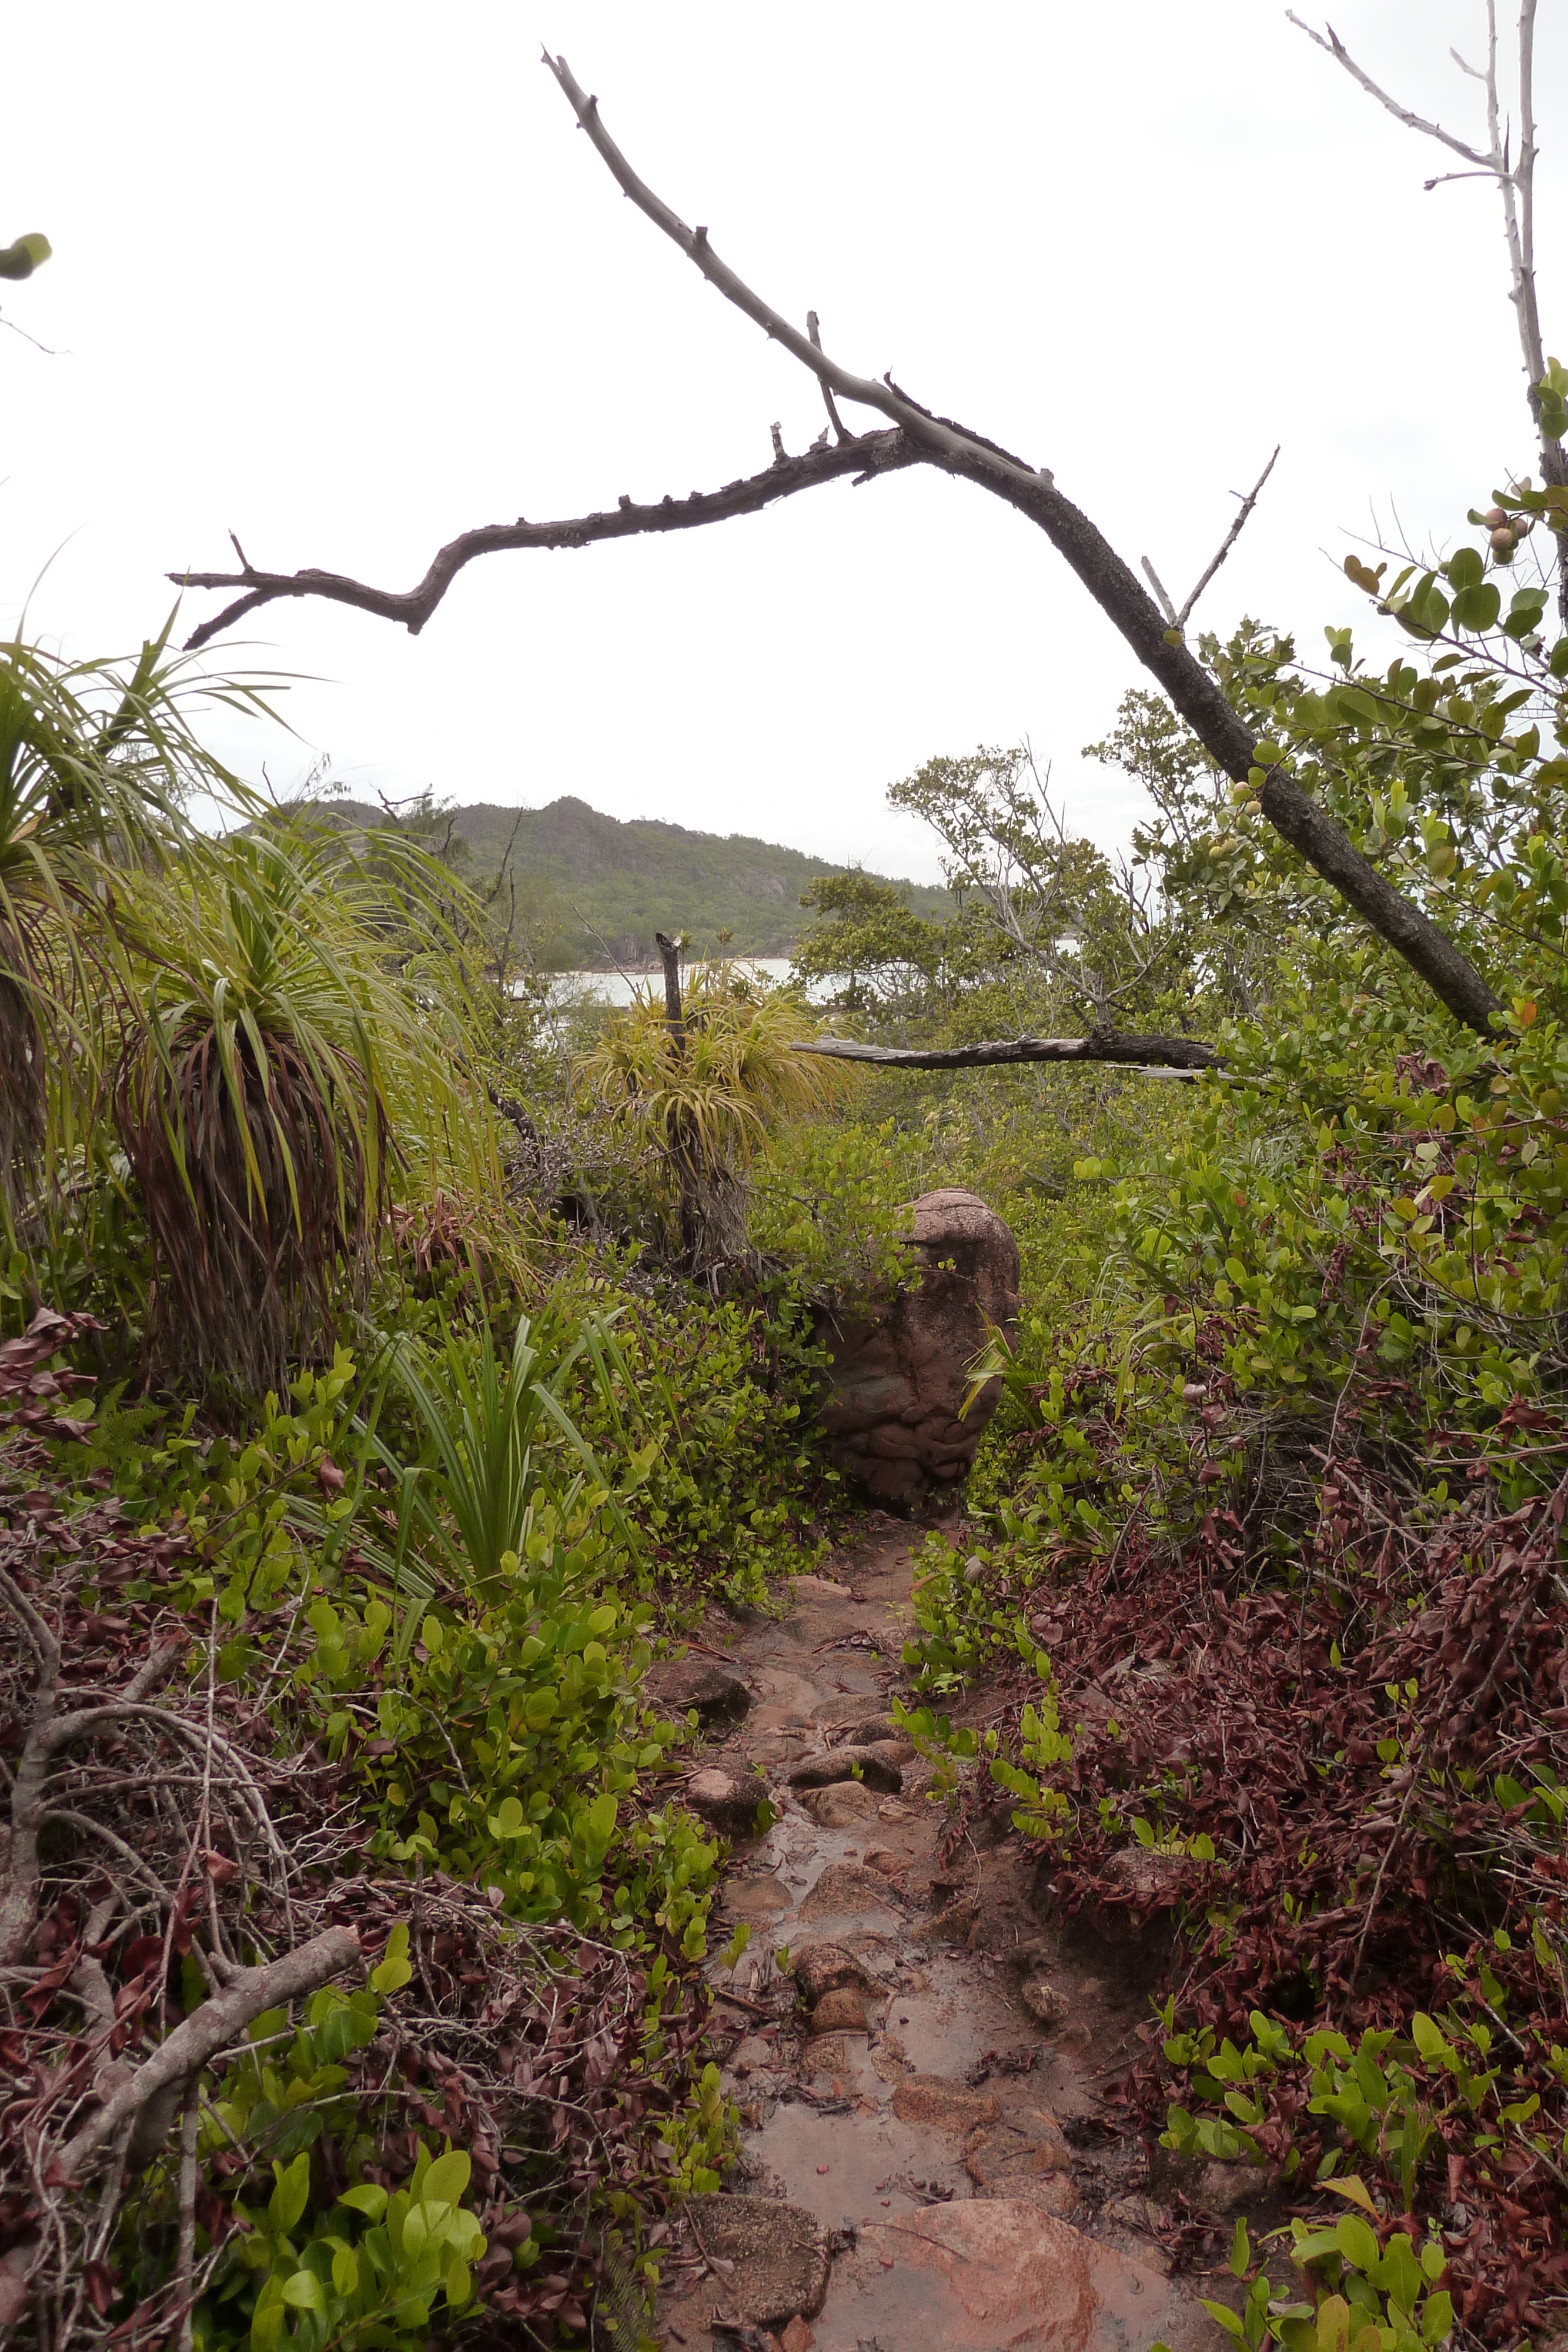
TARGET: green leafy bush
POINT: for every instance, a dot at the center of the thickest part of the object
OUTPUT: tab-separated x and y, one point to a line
1368	2295
711	1400
306	2269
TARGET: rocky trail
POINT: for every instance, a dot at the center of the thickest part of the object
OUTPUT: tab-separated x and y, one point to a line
920	2060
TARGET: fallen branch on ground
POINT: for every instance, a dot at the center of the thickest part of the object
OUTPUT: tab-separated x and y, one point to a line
211	2028
1153	1056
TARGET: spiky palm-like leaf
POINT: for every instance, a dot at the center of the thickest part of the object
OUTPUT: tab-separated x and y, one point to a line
277	1071
485	1415
717	1089
97	760
708	1092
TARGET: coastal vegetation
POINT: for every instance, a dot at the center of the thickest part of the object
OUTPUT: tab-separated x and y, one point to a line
393	1372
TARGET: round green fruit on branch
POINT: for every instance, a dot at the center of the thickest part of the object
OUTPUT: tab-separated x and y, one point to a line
20	260
1507	532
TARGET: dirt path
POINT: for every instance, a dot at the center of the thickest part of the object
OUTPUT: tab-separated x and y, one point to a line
926	2165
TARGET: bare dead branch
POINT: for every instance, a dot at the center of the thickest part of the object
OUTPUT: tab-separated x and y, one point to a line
1161	591
1515	182
89	1978
84	1824
1146	1053
1229	541
153	1671
938	433
1524	173
871	454
922	434
19	1895
1330	42
1179	620
1396	919
209	2029
36	1626
189	2178
814	330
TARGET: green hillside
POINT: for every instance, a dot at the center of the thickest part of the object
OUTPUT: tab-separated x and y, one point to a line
592	889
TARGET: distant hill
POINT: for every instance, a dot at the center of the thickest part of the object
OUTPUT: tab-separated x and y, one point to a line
593	889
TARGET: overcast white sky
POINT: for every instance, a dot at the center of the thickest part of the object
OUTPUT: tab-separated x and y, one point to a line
345	279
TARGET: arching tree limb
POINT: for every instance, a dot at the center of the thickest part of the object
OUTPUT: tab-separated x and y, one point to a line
923	436
872	454
935	434
1119	595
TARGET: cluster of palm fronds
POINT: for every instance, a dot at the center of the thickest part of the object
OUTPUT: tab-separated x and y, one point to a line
252	1051
253	1038
706	1090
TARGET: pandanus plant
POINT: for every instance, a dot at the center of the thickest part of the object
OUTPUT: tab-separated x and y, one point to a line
280	1070
706	1081
97	760
497	1427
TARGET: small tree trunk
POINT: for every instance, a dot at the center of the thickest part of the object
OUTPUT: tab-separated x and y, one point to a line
674	1014
685	1143
714	1230
713	1199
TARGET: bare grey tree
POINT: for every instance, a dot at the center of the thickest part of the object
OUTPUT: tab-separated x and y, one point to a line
916	435
1513	173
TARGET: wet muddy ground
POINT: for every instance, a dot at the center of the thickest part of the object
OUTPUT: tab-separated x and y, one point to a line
919	2059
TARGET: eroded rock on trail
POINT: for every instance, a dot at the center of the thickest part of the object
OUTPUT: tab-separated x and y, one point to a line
952	1924
727	1799
997	2271
843	1890
822	1968
843	1805
865	1733
866	1764
716	1692
774	2258
842	2011
947	2106
900	1375
1027	2158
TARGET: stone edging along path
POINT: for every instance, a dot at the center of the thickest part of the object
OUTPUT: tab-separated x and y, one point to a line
927	2162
